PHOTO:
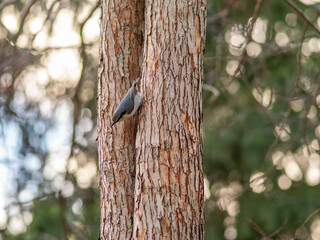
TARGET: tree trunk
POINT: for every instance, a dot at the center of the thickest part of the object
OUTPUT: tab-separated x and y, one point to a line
120	61
168	184
169	177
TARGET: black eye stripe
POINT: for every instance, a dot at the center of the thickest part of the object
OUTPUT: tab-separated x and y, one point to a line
120	116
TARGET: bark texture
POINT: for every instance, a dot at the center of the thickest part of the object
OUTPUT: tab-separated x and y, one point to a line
169	179
120	60
152	184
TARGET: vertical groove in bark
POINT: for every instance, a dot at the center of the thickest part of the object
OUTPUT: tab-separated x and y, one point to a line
120	57
169	179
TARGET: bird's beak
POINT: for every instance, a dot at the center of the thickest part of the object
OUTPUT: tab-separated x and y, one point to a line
135	81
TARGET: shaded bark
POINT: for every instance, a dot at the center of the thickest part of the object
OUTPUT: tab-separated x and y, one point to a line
120	60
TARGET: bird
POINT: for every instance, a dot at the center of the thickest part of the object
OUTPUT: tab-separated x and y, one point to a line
128	105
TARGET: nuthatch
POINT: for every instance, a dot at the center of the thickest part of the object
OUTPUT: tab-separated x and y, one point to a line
128	105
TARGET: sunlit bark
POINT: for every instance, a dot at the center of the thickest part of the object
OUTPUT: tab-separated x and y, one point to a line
169	177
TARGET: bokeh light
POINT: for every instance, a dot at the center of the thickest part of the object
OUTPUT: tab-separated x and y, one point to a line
261	117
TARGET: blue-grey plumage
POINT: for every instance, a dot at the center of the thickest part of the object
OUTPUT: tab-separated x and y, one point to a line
128	105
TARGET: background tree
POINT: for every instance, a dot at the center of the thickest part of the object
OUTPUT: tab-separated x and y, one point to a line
260	115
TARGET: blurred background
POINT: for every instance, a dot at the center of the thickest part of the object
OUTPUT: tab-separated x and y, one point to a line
261	101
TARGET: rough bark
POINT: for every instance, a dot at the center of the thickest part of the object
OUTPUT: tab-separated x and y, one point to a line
169	178
120	60
160	195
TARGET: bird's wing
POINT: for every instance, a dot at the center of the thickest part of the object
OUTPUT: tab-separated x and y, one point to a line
120	111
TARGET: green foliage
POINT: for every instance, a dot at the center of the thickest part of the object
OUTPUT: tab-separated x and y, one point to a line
240	132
